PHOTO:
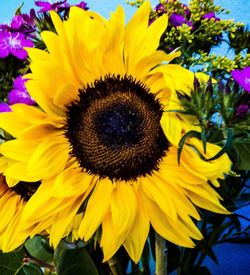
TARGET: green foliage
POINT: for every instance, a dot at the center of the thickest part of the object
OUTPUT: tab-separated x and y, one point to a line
74	260
14	264
215	108
39	249
11	262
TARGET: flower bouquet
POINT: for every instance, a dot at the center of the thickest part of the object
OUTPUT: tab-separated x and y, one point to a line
118	154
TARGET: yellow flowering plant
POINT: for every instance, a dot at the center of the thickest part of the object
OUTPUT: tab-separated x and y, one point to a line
106	146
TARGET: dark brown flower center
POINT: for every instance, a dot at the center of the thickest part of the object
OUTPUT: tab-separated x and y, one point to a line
25	189
114	129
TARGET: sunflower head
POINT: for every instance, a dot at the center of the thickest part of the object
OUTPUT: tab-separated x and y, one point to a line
102	141
114	129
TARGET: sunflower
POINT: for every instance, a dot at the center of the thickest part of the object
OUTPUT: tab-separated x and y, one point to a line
12	202
102	142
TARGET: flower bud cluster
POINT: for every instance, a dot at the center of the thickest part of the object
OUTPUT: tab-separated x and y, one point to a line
195	29
219	65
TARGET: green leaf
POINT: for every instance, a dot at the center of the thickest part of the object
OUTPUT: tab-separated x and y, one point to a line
73	261
207	250
204	139
226	147
18	11
29	269
183	140
37	250
243	151
11	262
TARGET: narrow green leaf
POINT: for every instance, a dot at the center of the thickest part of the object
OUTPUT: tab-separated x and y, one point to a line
204	139
226	147
207	250
18	11
29	269
183	140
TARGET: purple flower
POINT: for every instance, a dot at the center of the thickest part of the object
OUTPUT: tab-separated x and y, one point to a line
241	111
19	93
242	77
187	11
45	6
23	23
82	5
177	20
210	15
14	43
4	107
160	9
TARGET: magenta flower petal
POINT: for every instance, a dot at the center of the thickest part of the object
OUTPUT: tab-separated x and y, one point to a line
19	83
20	53
17	22
16	96
14	43
19	93
45	6
242	77
4	107
4	51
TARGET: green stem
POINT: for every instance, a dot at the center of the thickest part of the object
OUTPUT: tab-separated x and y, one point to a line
161	253
114	266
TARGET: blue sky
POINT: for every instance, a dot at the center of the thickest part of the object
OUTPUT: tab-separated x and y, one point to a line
239	8
8	7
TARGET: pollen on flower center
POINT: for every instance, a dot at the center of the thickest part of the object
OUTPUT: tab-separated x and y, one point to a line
114	129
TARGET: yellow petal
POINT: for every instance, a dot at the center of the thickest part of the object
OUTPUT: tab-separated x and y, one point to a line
98	205
172	127
8	210
123	207
163	225
42	100
12	123
42	204
134	34
50	157
38	54
18	149
110	242
20	172
205	197
150	61
74	181
62	222
112	43
138	234
158	192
